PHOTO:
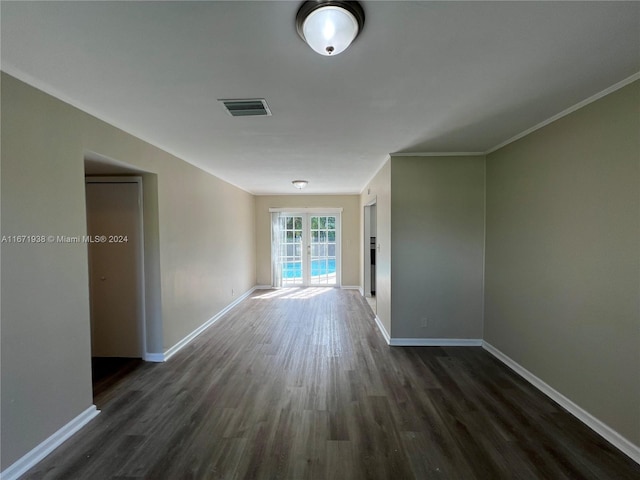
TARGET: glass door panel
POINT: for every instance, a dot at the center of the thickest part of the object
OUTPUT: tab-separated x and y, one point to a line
291	249
322	249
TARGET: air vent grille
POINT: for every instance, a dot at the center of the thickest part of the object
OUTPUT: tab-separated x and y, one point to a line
247	107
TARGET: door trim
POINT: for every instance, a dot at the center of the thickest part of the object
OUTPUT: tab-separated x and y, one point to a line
141	277
366	246
305	212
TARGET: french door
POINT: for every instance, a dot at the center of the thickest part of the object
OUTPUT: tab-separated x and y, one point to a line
306	249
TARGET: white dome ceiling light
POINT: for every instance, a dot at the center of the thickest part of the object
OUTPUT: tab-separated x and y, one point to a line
329	26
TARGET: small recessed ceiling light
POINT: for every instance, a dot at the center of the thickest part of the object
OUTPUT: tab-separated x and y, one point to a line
299	184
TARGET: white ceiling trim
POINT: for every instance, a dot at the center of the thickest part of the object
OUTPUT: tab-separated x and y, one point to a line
433	100
36	83
438	154
564	113
44	87
544	123
305	209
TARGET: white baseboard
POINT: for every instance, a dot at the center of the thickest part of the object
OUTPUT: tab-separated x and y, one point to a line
154	357
189	338
350	287
383	330
263	287
435	342
32	458
609	434
361	291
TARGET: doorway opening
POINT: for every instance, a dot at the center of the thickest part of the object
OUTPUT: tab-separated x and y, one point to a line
115	247
370	250
305	248
108	368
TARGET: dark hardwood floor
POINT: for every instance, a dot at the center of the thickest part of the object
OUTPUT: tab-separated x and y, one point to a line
299	384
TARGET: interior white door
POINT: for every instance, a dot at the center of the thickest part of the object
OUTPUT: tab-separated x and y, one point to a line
114	226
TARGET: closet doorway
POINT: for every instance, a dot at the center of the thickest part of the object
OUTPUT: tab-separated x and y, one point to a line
116	271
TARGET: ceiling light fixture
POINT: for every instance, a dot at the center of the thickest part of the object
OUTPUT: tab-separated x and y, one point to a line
329	26
299	184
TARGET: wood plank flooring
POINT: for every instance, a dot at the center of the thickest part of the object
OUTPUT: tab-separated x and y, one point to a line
299	384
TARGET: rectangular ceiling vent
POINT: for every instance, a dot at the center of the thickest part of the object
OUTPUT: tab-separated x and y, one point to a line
247	107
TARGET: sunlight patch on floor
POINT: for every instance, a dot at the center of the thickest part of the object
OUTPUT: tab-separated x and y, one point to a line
294	292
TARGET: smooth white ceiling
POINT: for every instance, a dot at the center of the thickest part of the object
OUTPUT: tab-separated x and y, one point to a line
422	77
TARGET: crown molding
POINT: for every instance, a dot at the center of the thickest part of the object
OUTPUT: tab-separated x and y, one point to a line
544	123
564	113
437	154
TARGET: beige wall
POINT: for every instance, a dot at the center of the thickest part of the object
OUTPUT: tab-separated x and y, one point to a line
437	233
206	247
379	189
563	257
350	232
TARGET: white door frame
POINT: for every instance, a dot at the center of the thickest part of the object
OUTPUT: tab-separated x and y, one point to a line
141	276
306	212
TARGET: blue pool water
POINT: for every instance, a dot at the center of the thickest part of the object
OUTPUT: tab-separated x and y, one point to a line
318	267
